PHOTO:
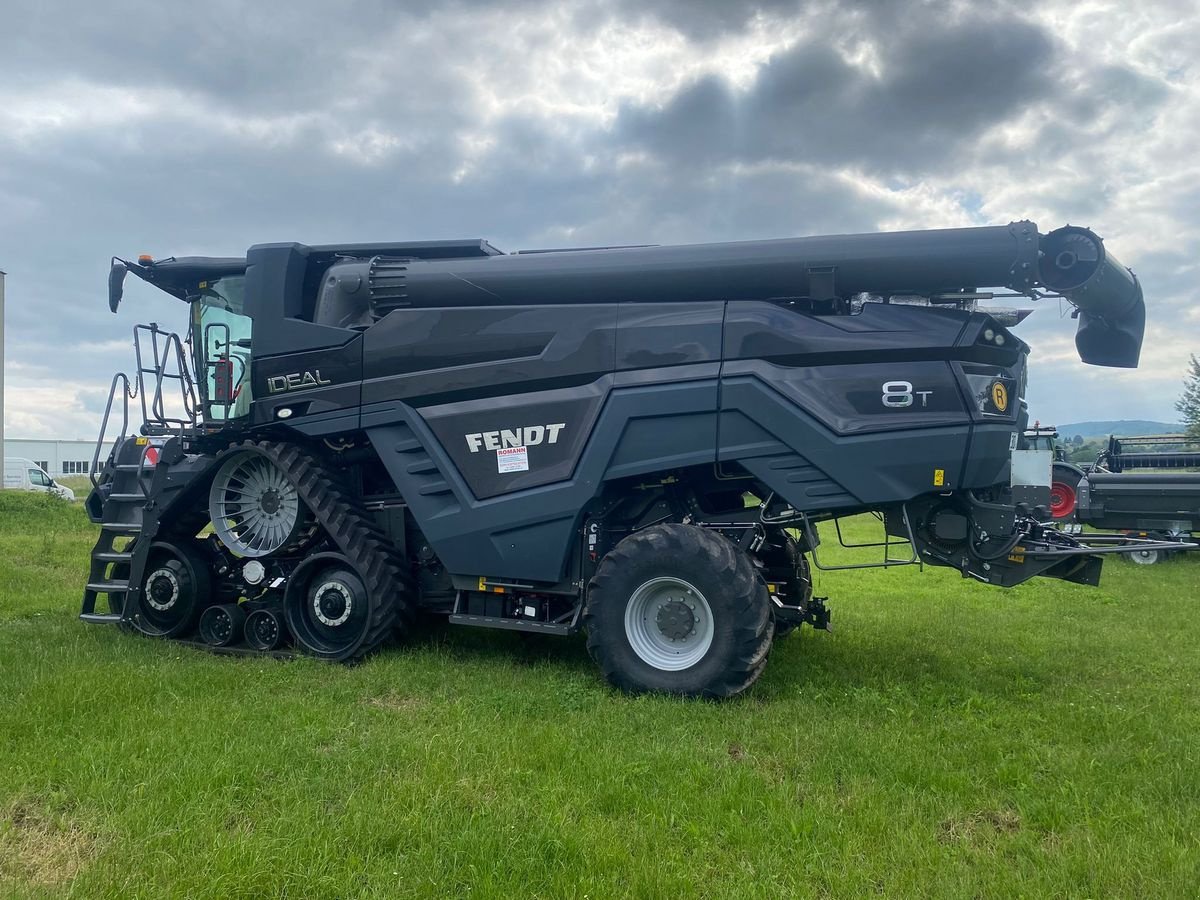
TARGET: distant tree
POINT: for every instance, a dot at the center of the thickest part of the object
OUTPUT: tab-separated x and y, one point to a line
1084	452
1189	404
1077	440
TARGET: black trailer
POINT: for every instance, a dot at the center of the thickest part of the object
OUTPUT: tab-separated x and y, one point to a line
1119	493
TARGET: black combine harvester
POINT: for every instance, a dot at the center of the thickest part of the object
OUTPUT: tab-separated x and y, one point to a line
635	441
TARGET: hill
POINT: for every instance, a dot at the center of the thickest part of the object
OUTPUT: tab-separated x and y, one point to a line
1118	427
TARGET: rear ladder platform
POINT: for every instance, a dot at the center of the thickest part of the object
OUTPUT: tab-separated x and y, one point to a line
115	568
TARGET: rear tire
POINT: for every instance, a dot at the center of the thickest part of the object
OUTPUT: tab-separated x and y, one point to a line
1064	491
678	609
1143	557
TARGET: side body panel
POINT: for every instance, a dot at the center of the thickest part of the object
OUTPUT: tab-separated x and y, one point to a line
500	425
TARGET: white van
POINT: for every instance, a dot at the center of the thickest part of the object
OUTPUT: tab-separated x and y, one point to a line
26	475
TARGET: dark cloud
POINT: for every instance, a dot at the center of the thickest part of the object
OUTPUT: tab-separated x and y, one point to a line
938	86
133	126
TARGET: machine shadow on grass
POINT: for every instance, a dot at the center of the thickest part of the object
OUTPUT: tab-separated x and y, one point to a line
802	661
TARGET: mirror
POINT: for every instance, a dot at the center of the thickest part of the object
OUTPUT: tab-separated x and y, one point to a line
116	281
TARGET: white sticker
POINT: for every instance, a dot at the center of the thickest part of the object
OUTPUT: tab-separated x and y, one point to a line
1012	442
512	459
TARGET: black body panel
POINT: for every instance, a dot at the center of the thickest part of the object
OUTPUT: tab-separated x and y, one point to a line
527	534
434	356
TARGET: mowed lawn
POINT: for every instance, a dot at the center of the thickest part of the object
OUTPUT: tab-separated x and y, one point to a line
947	739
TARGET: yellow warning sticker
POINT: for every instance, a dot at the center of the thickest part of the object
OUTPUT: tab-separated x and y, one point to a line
1017	555
1000	396
142	441
939	477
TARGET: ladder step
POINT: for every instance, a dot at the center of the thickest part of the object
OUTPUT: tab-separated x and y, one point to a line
108	587
127	497
130	467
112	556
123	527
100	618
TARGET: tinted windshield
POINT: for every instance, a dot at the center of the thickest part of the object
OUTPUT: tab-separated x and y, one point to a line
221	341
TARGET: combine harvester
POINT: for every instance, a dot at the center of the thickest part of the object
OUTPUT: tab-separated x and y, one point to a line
635	441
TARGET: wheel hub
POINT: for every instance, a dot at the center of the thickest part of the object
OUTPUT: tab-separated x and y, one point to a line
669	624
270	502
332	604
266	629
222	626
676	620
162	590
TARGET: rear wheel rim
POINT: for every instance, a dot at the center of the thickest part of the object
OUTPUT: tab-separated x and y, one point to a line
1062	500
1144	557
669	624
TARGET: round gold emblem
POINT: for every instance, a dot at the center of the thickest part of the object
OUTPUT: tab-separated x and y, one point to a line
1000	396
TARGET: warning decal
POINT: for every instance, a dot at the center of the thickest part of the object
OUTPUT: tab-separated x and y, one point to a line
512	459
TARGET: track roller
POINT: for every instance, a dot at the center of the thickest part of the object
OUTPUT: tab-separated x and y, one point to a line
221	626
265	630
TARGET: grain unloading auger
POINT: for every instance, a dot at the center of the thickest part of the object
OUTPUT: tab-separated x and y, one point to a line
638	441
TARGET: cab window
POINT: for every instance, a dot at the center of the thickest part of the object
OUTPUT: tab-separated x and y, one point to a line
221	334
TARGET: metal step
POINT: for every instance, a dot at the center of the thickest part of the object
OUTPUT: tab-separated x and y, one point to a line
511	624
123	527
130	467
112	556
108	587
127	497
100	618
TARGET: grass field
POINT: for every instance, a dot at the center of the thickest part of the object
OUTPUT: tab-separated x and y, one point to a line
946	740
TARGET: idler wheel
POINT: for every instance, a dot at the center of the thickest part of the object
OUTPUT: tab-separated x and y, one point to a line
175	591
222	626
327	607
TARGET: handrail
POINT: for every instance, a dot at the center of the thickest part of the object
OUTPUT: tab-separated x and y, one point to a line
169	350
128	394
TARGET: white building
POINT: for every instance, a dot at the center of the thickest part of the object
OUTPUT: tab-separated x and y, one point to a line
57	457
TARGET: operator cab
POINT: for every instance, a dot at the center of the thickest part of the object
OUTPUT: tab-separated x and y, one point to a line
219	338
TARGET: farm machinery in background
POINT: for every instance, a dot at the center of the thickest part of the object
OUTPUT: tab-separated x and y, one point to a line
634	441
1147	487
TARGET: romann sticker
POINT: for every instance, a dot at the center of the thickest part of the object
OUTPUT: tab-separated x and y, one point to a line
512	459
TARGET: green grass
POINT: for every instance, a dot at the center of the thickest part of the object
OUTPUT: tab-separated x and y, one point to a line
948	740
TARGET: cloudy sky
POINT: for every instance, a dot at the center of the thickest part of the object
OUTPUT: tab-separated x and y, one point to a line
202	128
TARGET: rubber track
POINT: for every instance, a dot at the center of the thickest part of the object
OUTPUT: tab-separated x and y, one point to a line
356	535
